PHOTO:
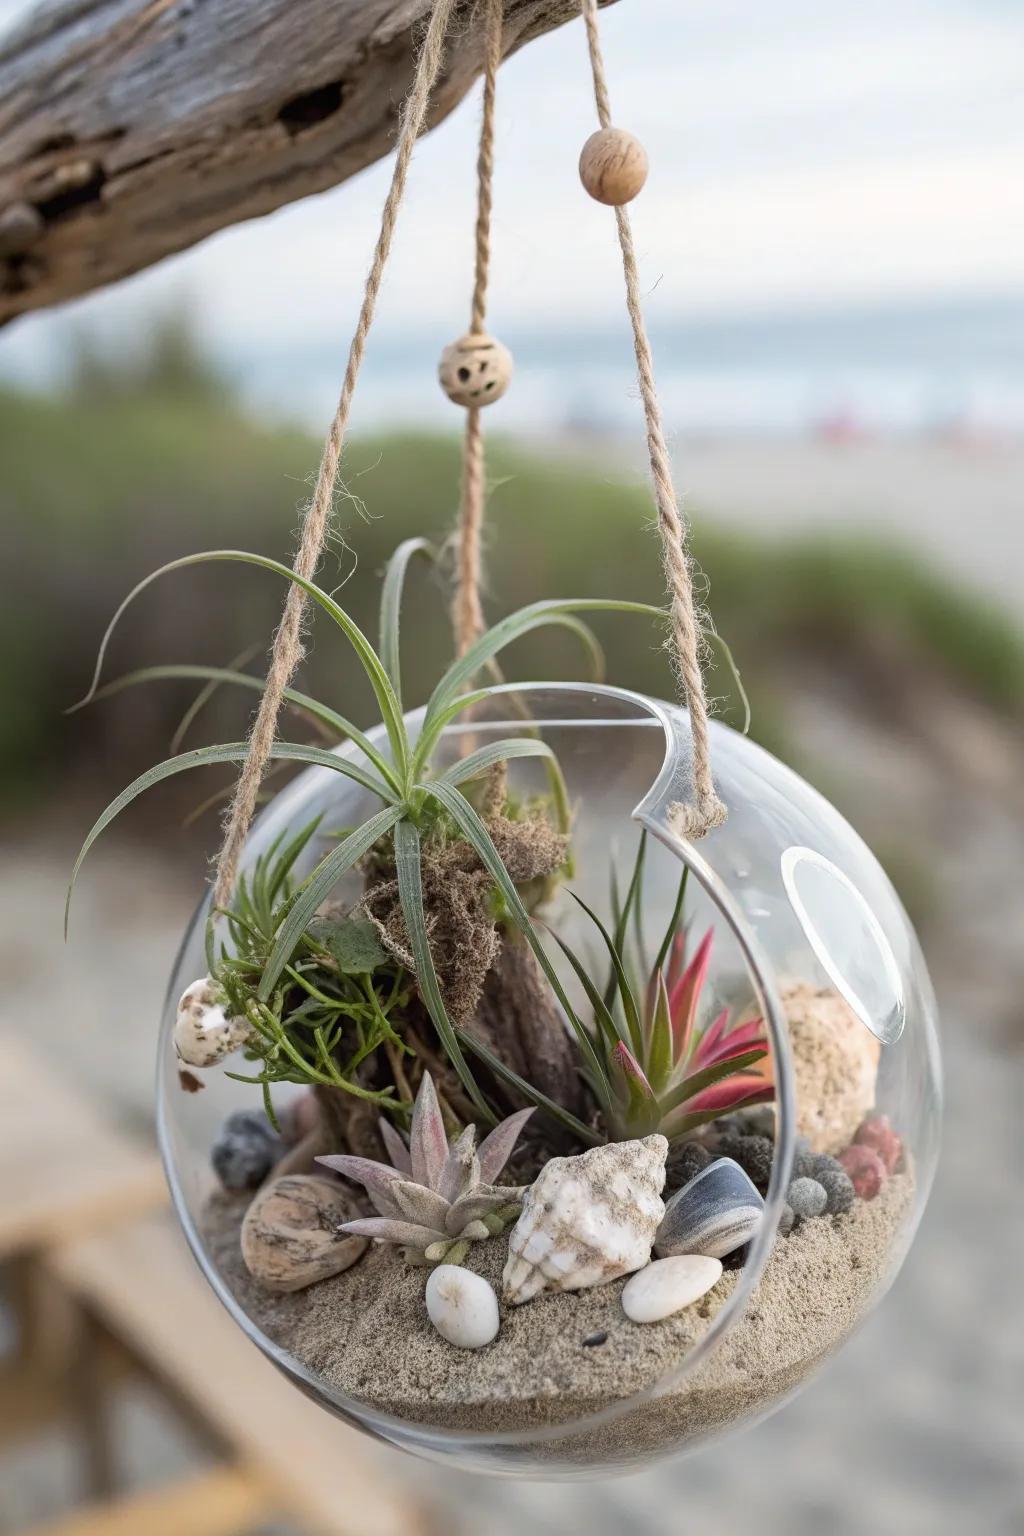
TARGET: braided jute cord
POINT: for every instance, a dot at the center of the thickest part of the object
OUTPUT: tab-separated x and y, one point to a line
467	611
287	649
707	810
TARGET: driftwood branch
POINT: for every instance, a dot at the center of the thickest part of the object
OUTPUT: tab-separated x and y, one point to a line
131	129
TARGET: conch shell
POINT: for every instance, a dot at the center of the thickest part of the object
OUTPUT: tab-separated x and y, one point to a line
587	1220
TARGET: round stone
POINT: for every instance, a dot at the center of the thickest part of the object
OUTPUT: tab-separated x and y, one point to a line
839	1190
865	1169
613	166
684	1162
476	370
878	1134
755	1155
805	1197
666	1286
291	1233
462	1306
246	1149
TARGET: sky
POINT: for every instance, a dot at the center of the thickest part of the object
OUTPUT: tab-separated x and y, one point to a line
802	155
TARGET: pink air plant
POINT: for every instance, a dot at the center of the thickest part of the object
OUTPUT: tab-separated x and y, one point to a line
683	1075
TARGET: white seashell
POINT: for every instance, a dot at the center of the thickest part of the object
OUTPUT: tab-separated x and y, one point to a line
204	1031
668	1285
291	1233
587	1220
462	1306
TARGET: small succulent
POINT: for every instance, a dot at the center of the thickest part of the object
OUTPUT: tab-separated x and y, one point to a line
435	1199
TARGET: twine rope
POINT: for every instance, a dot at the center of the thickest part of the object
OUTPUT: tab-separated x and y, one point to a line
707	810
287	651
467	609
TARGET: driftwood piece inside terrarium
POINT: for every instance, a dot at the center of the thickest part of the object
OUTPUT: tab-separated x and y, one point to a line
519	1021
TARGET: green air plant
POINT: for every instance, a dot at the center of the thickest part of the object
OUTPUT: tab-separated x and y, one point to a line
435	1199
418	803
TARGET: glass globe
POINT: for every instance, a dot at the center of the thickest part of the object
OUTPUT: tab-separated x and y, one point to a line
809	935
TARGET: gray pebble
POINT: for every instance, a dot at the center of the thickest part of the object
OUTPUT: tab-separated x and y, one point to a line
246	1149
684	1163
760	1121
786	1221
839	1191
806	1198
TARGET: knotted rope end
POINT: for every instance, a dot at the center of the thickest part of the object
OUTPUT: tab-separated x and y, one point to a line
692	822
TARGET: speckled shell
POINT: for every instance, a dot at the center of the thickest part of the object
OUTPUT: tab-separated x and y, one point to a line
204	1032
587	1220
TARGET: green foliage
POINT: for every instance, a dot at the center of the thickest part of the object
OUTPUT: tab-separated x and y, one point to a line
417	806
336	1000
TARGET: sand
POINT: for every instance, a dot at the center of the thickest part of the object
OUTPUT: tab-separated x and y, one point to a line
366	1332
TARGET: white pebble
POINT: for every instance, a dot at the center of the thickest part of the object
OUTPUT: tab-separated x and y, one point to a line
668	1285
462	1306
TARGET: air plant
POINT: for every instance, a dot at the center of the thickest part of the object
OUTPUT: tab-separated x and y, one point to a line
417	802
665	1067
435	1199
652	1061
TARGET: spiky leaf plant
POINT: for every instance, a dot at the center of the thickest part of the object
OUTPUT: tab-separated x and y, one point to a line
416	799
435	1199
652	1062
665	1068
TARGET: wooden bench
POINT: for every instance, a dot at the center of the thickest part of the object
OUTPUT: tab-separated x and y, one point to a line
103	1284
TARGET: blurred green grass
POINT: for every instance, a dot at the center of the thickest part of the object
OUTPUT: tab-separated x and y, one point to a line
111	479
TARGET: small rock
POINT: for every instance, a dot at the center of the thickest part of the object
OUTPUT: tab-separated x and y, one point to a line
805	1197
666	1286
879	1135
462	1306
839	1190
755	1155
714	1214
803	1159
759	1121
787	1220
21	226
246	1149
593	1340
684	1162
290	1237
866	1170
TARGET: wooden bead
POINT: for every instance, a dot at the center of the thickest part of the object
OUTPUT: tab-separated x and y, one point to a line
475	370
613	166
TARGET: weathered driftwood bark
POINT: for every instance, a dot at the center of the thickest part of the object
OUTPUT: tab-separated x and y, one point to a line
130	129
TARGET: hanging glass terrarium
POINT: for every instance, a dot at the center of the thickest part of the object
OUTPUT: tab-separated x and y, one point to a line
525	1108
